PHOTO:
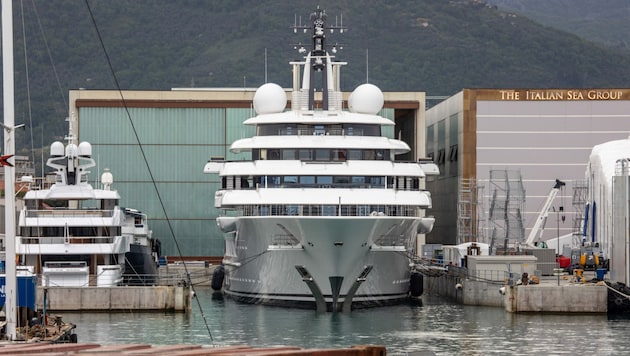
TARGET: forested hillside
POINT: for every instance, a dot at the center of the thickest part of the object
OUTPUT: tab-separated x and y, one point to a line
602	21
436	46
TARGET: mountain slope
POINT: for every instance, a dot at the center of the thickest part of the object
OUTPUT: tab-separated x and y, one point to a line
435	46
603	21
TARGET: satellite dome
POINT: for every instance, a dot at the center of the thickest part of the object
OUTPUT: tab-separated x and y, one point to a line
270	98
366	99
85	149
107	178
57	149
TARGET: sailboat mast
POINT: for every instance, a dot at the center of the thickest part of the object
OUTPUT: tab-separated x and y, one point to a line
9	170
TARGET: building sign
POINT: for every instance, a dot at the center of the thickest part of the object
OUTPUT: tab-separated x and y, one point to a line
552	94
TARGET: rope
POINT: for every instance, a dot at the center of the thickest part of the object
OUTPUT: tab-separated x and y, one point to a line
617	291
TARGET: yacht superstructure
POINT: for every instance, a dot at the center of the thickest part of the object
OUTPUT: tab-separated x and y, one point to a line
75	235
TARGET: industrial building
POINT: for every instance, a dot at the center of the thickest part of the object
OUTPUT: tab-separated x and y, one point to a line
156	143
501	150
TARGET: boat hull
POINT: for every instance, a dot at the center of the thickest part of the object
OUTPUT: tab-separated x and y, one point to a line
277	259
140	266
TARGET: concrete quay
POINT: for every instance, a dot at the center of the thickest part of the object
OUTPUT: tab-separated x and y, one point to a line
553	294
172	292
199	272
120	298
548	297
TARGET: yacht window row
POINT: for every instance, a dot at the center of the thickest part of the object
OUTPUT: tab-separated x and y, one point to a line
321	154
308	181
78	205
69	234
348	129
327	210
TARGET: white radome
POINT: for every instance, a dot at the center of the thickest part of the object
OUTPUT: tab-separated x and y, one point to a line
57	149
270	98
85	149
366	99
107	177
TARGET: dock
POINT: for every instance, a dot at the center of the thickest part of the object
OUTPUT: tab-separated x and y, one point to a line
119	298
172	292
182	350
562	293
552	297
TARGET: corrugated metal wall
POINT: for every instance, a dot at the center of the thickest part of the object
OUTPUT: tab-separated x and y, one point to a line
176	142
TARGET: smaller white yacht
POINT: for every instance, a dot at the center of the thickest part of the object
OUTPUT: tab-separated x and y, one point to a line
74	235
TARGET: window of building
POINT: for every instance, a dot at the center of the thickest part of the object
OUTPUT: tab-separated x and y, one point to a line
319	130
273	154
289	154
377	182
341	180
329	210
307	180
322	154
441	157
358	180
305	154
354	154
338	155
328	180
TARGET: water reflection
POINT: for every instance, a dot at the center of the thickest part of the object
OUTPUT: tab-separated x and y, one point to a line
443	328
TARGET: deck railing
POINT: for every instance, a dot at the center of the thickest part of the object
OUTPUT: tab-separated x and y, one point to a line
328	210
28	240
163	278
61	212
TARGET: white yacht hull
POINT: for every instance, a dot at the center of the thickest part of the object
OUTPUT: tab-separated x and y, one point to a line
263	252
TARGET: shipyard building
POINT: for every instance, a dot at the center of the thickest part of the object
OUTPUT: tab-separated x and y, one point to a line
500	152
156	144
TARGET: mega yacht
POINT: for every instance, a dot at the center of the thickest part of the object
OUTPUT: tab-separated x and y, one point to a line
74	235
322	216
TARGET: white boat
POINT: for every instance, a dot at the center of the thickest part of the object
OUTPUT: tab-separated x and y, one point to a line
322	216
75	235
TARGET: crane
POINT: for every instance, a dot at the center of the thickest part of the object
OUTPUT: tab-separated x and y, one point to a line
539	226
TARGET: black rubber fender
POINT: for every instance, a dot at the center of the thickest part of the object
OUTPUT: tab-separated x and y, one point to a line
217	278
416	284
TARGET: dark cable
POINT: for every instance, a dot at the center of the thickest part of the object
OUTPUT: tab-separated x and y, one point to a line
122	98
28	84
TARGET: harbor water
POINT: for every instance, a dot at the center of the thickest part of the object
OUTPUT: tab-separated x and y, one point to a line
435	326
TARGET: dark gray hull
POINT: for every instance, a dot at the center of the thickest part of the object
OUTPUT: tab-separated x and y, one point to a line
140	266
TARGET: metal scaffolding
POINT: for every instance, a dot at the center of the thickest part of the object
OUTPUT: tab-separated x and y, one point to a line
505	212
468	226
